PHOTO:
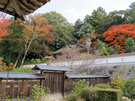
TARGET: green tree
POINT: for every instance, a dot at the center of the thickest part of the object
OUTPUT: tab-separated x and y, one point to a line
132	12
10	45
86	31
113	18
96	18
119	17
62	30
105	49
130	45
76	33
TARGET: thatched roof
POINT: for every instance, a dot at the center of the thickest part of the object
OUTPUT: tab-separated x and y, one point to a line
20	8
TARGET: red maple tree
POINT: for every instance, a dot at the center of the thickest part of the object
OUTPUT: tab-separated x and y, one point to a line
117	35
4	23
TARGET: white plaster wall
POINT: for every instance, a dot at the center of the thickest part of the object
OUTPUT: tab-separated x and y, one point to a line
111	60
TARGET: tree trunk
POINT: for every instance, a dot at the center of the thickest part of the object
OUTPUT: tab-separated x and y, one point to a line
87	44
23	59
17	60
26	50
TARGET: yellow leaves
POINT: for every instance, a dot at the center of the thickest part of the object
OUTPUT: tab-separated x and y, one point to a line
118	82
41	35
4	67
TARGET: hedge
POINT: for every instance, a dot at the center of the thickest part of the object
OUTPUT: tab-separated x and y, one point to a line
103	86
98	94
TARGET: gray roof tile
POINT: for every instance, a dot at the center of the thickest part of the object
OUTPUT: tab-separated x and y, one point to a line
50	68
14	75
72	76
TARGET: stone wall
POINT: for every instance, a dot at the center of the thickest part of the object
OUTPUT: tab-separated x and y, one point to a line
126	71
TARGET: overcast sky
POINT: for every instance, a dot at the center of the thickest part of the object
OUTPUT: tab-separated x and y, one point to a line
78	9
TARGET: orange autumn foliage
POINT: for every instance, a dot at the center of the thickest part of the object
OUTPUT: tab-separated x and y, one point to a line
4	67
81	40
4	23
37	27
117	35
93	42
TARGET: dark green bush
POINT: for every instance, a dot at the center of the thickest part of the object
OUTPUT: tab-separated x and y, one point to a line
98	94
129	89
104	86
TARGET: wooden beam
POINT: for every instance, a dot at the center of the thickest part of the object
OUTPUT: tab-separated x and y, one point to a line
0	85
24	2
38	3
6	6
41	83
2	6
16	7
23	80
13	90
63	84
25	13
25	8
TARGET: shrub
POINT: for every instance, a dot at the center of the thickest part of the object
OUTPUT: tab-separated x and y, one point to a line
24	70
73	96
38	61
117	82
134	78
75	90
33	61
104	86
40	94
5	97
44	60
97	94
129	89
85	55
83	73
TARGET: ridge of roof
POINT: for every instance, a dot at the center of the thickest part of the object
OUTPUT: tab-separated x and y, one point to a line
50	68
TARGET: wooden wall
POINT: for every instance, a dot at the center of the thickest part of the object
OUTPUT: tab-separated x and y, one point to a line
53	80
89	82
14	88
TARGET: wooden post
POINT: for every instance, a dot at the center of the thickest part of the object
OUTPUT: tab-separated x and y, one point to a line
0	85
63	83
41	83
23	86
68	85
13	90
89	82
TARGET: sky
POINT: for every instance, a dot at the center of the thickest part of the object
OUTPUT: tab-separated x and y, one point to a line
78	9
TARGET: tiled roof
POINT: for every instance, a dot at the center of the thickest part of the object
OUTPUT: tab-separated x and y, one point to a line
50	68
14	75
72	76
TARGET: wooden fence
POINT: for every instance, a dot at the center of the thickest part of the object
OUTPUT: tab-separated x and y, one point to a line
89	82
14	88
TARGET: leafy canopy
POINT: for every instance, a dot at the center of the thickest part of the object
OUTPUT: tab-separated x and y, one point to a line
62	30
4	24
117	35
